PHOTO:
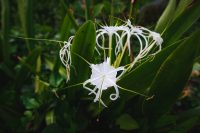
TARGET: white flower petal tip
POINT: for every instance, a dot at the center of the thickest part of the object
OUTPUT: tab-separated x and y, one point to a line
157	38
103	77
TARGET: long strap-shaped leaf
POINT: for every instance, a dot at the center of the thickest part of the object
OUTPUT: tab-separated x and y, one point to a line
140	78
166	17
171	77
83	45
182	23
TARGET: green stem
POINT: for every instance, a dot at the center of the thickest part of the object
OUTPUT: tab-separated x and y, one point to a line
121	56
26	14
110	48
37	77
131	9
111	13
87	9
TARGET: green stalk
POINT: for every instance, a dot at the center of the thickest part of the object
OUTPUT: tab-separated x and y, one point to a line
110	48
118	61
37	78
26	17
121	56
111	12
5	31
131	9
87	9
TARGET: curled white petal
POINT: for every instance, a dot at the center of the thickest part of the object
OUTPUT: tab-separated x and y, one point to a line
146	45
115	95
111	31
157	38
65	55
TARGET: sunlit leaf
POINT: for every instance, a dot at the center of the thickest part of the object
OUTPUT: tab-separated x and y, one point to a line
166	17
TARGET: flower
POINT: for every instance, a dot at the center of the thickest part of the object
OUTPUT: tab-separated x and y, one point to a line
103	77
111	31
106	74
125	32
144	37
65	56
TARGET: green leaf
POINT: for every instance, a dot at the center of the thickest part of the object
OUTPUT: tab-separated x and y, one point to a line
166	120
50	117
55	78
183	4
30	103
5	28
98	9
166	17
50	65
29	115
126	122
37	78
140	78
189	114
73	20
25	70
65	29
182	23
67	25
25	9
171	77
83	45
185	126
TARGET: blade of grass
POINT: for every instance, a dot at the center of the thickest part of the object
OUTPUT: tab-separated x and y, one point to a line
65	29
183	4
182	23
37	78
166	17
4	47
26	18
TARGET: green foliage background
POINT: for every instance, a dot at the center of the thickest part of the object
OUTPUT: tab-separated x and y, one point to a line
34	96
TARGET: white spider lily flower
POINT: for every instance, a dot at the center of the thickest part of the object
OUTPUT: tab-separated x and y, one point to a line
65	56
157	41
141	33
144	36
110	31
103	77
